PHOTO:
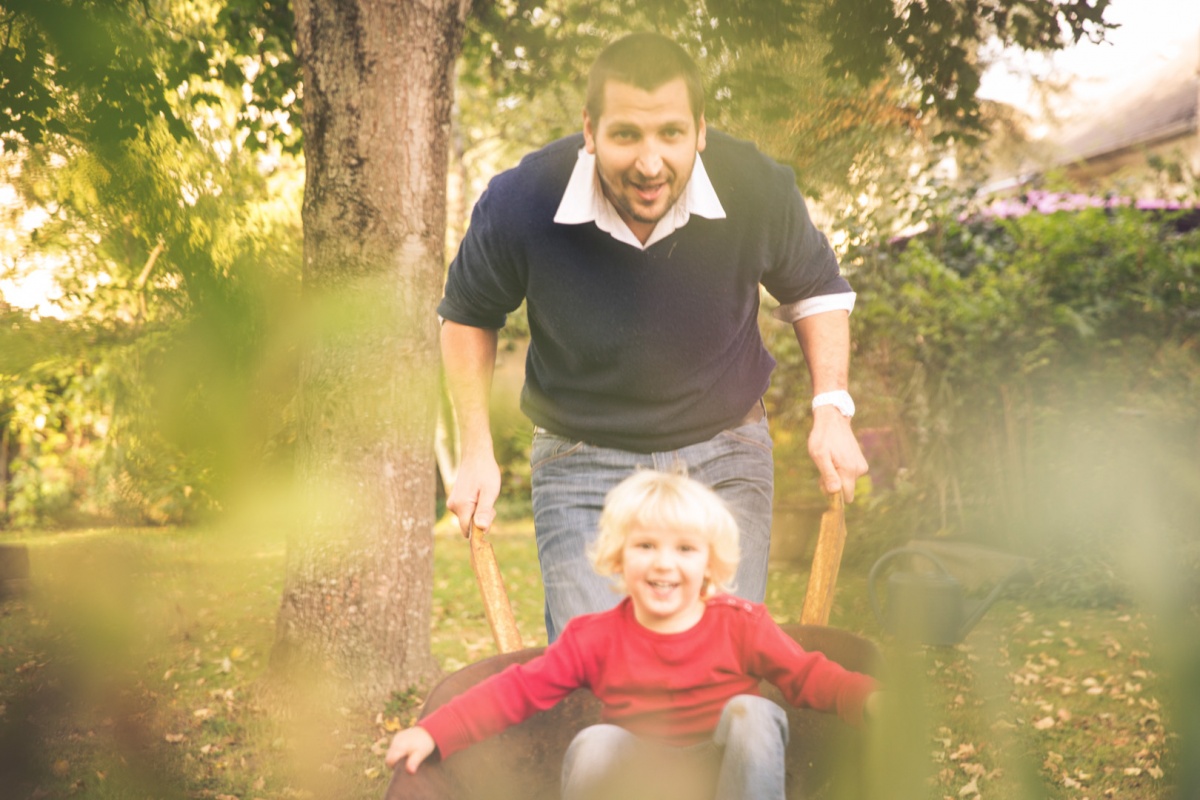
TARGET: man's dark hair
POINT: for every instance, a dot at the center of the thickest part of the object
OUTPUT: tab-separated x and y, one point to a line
646	61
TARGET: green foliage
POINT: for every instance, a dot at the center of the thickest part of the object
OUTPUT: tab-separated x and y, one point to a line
51	431
525	47
135	429
1030	369
79	67
259	34
937	40
106	73
179	261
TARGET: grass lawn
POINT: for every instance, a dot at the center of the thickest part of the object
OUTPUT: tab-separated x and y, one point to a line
133	669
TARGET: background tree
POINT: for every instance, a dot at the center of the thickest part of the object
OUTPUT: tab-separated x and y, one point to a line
378	87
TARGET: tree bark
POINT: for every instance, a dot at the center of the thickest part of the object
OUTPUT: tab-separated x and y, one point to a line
378	84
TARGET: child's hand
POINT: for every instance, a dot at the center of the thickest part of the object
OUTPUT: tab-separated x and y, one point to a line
873	705
412	746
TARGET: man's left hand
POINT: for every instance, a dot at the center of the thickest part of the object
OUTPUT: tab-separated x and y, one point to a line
835	451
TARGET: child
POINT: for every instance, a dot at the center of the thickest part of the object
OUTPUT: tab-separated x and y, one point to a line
677	663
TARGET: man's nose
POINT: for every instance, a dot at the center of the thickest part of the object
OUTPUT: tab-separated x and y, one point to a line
649	162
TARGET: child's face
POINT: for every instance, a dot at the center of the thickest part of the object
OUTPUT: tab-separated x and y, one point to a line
664	572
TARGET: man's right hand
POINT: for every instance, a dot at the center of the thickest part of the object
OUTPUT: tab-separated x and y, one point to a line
469	356
473	497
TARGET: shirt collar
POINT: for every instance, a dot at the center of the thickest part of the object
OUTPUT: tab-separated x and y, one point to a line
584	201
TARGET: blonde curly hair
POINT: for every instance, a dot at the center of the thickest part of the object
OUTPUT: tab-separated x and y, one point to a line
652	499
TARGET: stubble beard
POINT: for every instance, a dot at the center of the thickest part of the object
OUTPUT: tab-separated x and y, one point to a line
625	200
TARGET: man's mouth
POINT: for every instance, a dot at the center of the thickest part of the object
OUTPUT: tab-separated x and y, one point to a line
648	193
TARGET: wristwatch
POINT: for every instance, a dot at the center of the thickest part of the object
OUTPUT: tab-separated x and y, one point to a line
841	400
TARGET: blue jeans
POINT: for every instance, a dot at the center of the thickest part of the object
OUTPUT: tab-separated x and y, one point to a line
749	745
571	478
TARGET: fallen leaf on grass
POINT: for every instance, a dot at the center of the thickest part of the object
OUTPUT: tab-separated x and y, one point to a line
970	788
1045	723
203	713
1025	678
964	751
1133	772
174	738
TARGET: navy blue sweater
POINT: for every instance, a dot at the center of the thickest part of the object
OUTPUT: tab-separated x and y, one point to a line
640	350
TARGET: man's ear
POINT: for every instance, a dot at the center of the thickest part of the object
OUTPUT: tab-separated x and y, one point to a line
701	132
589	135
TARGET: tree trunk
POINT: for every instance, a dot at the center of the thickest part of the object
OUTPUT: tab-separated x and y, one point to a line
378	84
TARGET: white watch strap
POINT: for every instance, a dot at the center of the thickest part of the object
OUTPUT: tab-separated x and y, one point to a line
840	399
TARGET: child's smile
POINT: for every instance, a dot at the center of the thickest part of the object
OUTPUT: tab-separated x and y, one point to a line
665	572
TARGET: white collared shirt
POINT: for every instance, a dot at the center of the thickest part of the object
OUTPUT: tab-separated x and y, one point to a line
584	202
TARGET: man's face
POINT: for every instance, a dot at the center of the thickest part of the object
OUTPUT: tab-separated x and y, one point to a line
645	145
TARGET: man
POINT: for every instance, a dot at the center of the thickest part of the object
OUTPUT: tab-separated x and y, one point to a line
640	264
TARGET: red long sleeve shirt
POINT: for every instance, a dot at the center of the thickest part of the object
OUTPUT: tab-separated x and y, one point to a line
667	687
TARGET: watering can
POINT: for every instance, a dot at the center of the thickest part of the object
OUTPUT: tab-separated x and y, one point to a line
928	607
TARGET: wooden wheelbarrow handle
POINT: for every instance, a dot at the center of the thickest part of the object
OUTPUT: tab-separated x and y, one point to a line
827	558
495	599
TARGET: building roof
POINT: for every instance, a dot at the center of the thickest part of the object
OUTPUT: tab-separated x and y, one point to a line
1165	106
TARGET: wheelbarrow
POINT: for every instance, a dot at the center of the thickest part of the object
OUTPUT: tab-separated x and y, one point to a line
525	761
